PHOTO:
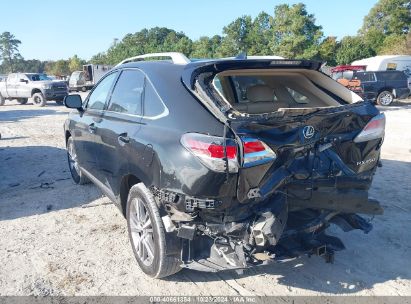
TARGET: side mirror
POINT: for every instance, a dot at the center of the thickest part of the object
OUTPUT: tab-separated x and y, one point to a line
73	102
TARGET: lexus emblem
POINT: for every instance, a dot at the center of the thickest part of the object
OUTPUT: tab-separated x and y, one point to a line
308	132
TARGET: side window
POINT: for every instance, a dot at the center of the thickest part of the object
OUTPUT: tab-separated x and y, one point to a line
98	97
365	76
153	106
127	94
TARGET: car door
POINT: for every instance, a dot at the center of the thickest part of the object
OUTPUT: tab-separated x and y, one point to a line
11	85
88	142
22	87
119	128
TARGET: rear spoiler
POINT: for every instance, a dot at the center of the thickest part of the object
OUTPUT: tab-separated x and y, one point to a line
193	69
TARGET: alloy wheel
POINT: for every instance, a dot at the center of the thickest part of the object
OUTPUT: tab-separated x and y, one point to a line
72	156
386	99
142	231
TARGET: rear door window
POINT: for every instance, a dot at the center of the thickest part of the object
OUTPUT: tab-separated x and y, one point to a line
128	92
98	96
365	77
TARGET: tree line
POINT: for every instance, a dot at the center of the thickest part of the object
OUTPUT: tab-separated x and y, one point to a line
291	31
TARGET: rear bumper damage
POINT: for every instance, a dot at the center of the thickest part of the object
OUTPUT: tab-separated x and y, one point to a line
278	229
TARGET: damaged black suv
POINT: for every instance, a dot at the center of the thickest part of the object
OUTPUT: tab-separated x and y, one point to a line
227	164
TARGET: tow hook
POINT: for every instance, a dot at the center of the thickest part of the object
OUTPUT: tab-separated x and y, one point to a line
326	253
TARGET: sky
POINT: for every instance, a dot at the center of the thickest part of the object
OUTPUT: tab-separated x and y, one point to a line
51	30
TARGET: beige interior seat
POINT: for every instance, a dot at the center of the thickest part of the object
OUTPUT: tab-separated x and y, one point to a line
261	99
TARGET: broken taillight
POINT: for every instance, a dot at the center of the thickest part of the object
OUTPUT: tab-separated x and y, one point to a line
210	151
256	152
374	129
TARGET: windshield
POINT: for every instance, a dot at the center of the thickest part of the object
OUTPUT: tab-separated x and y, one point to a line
38	77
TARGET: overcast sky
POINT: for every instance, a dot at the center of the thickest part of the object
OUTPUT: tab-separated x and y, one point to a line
51	30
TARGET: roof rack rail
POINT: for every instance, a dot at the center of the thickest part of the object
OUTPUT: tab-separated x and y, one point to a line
176	57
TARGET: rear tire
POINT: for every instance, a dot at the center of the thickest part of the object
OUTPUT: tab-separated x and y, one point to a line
39	100
385	98
78	177
2	100
147	235
22	101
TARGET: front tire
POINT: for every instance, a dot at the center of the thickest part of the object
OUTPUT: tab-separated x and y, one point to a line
78	177
385	98
147	235
2	100
39	100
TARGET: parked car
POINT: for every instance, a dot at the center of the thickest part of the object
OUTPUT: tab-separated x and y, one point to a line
227	164
388	63
84	80
380	86
39	87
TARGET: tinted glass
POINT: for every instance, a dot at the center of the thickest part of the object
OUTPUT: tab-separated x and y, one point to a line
364	76
391	76
99	95
127	94
152	103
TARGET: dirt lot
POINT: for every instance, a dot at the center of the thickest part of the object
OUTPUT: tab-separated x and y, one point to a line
61	239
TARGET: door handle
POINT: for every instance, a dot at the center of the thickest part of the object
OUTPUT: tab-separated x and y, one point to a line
92	128
123	139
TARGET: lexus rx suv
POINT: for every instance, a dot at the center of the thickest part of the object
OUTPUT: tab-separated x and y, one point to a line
229	163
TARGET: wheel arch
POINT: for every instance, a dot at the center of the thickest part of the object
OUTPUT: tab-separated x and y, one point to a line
390	89
127	182
35	90
67	135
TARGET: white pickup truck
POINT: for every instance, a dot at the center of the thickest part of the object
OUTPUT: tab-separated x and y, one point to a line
37	86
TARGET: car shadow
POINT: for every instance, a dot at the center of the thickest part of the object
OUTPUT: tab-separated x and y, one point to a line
18	115
368	260
36	180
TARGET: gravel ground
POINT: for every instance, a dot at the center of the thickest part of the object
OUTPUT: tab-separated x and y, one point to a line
61	239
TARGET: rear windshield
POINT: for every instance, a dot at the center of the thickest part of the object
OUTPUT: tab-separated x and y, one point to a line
256	94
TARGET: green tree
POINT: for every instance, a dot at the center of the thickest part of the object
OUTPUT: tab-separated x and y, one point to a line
206	47
99	58
353	48
388	17
295	34
327	50
75	64
387	22
259	35
59	67
9	51
236	37
396	45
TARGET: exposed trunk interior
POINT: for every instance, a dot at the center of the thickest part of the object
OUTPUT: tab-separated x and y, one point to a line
264	91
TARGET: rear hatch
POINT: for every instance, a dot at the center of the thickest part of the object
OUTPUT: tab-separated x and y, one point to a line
322	156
